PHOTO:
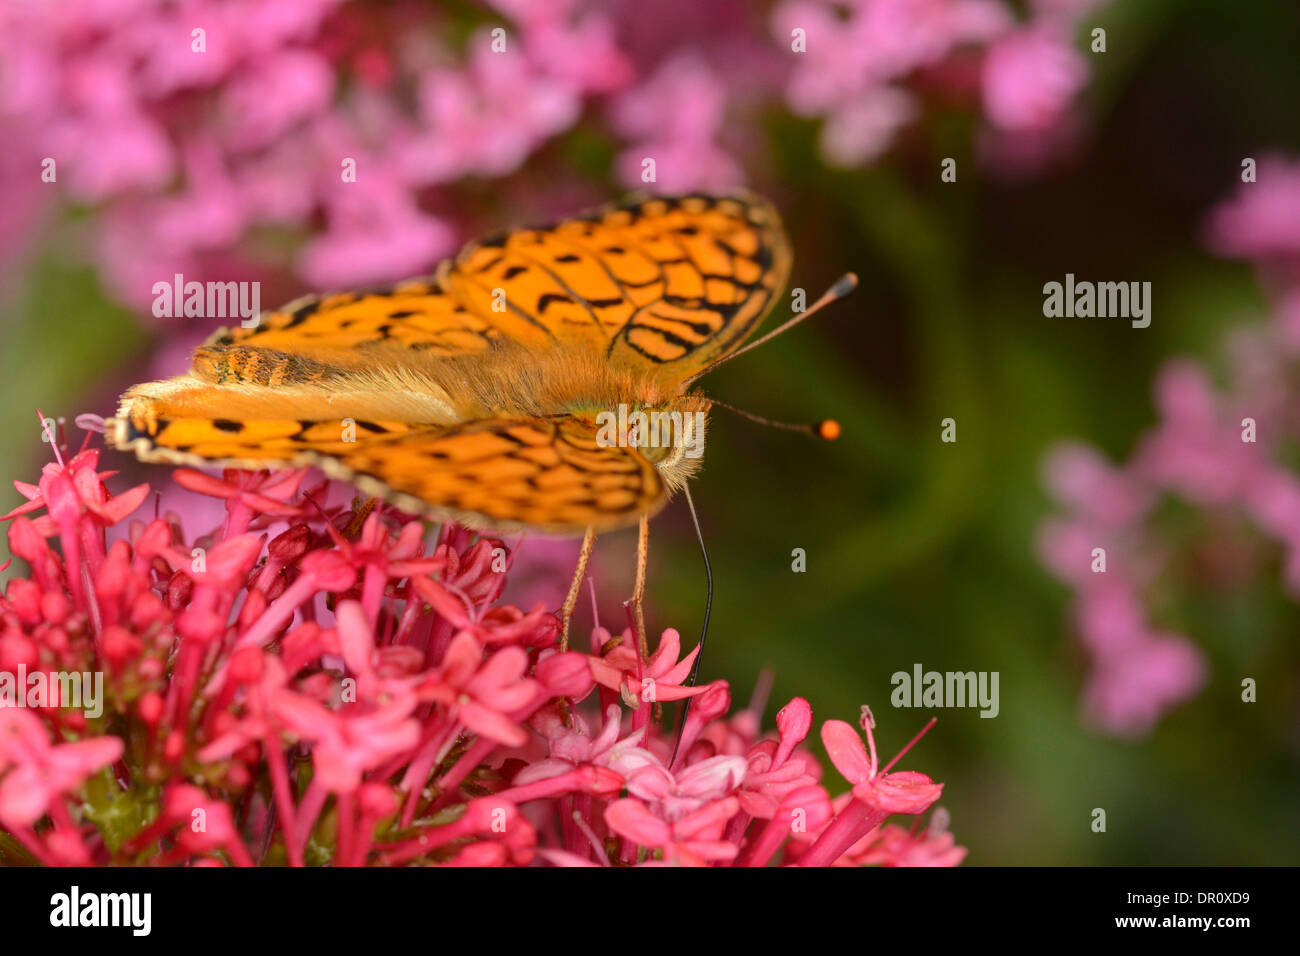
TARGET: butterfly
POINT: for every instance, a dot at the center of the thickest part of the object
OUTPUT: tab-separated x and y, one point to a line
508	390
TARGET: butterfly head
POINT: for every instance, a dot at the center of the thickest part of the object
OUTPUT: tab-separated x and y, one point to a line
668	433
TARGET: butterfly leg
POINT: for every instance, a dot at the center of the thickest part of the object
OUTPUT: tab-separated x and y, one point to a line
637	601
571	599
360	512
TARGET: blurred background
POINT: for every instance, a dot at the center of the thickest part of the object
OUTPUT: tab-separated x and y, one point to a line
217	154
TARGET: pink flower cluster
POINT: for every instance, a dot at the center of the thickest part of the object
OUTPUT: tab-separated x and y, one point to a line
869	63
1223	452
213	139
313	684
197	127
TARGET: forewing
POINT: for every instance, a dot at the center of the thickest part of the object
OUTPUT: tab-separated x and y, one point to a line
417	314
668	283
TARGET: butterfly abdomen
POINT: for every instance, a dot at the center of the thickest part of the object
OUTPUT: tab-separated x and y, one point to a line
247	365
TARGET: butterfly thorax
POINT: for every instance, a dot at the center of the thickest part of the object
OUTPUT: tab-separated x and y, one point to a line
630	407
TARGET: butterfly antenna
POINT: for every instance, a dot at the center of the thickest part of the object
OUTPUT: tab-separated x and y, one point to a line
704	628
827	429
842	287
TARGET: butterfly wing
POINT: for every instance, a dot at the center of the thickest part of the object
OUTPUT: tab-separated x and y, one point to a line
661	285
417	314
669	284
545	473
550	474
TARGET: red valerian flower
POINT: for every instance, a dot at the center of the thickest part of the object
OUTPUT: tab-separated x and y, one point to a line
38	773
876	793
892	845
337	684
693	839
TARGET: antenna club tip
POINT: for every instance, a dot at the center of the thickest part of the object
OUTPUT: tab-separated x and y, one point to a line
845	284
828	429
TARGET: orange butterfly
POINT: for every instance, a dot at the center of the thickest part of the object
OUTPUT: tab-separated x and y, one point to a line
512	389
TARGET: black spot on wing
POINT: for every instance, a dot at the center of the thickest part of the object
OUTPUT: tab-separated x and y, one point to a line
549	298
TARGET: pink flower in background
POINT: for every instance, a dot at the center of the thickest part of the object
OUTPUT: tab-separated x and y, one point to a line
375	232
1030	80
1261	222
1137	673
863	62
1197	450
1084	481
486	119
187	144
578	47
861	131
220	155
897	37
27	211
274	96
106	155
1031	76
834	75
1066	10
675	118
853	47
1135	684
1221	452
